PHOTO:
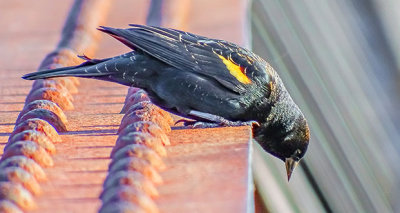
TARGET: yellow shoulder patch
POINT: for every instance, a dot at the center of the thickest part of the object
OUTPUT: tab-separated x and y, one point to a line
235	70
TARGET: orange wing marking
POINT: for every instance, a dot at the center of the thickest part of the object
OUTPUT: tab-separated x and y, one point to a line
235	70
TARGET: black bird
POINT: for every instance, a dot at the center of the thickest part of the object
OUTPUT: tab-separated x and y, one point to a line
209	80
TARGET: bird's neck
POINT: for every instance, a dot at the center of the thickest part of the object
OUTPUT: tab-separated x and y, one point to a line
278	126
284	112
283	115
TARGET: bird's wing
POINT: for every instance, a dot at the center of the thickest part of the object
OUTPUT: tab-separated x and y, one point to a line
230	65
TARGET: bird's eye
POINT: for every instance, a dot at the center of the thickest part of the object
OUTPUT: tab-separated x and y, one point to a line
296	155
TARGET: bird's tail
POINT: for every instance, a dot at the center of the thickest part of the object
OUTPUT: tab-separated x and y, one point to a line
88	69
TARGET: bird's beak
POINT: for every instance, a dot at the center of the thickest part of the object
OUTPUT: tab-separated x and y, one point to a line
290	165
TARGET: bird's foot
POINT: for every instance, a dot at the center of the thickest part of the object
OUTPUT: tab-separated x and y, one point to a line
239	123
214	121
185	122
197	124
221	121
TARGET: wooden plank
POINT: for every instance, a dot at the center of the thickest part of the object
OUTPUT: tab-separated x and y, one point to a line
208	170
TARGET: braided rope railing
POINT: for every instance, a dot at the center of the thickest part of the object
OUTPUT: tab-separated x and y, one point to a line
140	177
136	157
31	143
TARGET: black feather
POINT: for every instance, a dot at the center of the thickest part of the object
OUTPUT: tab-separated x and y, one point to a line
189	52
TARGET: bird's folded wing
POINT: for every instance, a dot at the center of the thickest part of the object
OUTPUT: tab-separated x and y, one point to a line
190	53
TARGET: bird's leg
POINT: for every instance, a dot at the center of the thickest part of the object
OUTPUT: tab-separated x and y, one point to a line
197	124
215	121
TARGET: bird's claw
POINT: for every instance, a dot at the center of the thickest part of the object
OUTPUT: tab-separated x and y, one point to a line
196	124
200	124
185	122
240	123
224	122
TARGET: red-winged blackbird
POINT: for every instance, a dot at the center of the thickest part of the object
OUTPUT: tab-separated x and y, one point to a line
205	79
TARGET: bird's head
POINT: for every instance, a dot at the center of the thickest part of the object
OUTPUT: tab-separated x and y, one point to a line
286	137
